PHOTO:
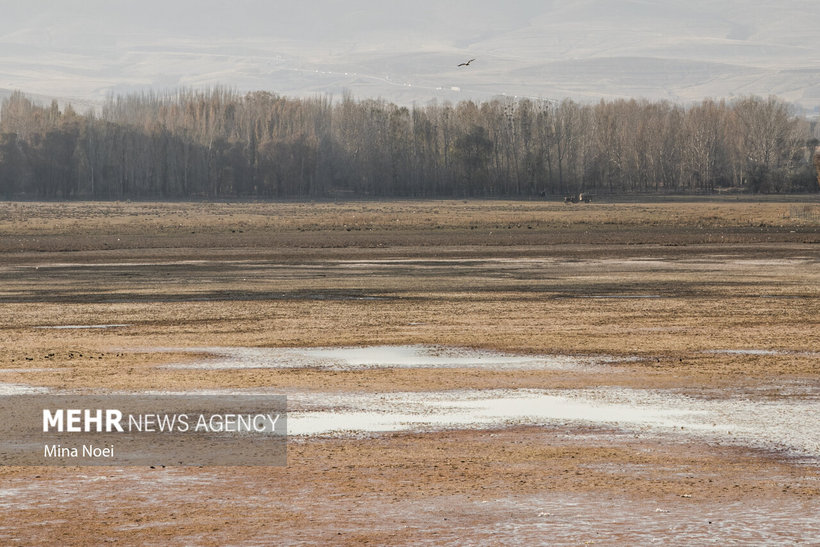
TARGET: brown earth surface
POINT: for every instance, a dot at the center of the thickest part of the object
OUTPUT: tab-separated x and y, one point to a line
670	286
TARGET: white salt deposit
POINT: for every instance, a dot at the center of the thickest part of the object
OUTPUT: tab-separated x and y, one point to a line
789	426
19	389
347	358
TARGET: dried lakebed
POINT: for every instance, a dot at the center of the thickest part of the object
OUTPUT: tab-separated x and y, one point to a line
789	426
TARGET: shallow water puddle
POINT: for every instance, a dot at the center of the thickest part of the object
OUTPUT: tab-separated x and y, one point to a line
788	426
347	358
458	409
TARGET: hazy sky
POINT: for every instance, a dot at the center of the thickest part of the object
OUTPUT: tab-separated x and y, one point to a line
408	51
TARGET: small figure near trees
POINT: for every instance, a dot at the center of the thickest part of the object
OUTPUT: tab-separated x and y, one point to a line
583	197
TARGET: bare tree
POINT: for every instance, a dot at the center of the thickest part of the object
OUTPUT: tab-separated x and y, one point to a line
219	143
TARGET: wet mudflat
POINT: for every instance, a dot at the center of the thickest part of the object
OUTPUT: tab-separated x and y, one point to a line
622	373
557	484
790	426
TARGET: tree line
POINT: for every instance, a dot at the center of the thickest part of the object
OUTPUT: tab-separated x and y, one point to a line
220	144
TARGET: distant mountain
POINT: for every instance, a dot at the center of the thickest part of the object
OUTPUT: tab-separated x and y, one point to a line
586	49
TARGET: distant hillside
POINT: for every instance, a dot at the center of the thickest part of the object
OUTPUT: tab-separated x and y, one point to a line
586	50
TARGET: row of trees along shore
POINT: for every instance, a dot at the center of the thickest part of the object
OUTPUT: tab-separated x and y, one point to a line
221	144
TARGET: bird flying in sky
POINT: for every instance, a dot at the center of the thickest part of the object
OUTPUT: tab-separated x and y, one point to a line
467	63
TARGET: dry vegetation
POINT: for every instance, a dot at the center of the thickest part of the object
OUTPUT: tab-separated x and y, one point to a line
663	282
